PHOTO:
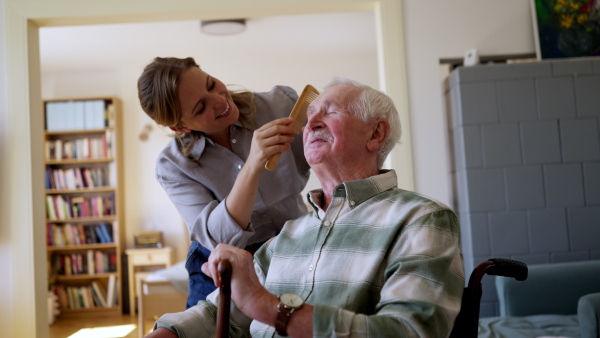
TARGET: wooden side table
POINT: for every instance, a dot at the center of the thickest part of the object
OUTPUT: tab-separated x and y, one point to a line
137	259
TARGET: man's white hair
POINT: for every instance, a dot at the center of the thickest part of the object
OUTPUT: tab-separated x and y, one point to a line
372	105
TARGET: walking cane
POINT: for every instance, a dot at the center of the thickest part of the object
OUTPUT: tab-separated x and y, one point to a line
224	305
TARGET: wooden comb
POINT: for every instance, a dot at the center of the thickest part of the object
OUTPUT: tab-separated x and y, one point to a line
298	115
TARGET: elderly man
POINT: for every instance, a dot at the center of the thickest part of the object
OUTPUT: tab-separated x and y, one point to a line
371	260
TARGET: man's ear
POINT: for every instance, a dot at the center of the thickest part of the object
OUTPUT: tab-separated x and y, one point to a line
380	132
180	129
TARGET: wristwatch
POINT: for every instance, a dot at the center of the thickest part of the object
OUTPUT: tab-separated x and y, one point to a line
288	303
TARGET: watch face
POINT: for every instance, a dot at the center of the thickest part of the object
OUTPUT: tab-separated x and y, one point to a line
291	300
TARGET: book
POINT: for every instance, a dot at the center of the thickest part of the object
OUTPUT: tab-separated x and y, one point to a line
75	261
58	149
110	295
99	262
55	174
90	234
67	149
91	266
48	180
71	297
62	183
68	265
84	298
60	236
63	297
68	234
85	147
111	115
78	178
105	232
49	235
90	296
112	262
99	234
49	150
100	293
82	236
50	207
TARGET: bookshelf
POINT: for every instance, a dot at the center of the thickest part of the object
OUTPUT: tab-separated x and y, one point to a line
84	205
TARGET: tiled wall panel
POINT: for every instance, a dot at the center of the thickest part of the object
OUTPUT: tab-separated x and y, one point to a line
526	162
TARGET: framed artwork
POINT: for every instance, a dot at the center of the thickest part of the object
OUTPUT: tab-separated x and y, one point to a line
566	28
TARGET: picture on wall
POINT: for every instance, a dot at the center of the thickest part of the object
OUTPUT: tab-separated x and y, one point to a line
566	28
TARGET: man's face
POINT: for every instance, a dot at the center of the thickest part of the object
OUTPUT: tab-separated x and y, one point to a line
332	134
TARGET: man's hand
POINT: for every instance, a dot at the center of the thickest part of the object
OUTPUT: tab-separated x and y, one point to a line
246	291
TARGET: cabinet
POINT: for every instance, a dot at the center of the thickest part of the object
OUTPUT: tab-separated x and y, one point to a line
137	259
84	204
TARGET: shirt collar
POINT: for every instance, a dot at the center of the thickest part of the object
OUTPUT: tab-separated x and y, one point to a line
358	191
200	144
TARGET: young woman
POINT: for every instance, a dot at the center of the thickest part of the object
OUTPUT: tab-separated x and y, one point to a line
214	168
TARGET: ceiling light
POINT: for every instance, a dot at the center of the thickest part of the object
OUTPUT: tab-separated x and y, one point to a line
223	27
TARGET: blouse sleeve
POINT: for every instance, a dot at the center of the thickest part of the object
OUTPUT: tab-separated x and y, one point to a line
207	219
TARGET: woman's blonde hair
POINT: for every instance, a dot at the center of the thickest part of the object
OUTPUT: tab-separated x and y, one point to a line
157	91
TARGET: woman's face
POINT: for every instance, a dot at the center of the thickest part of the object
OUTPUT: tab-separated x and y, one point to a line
206	105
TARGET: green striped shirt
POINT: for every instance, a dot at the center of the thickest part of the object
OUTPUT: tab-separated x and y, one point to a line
379	262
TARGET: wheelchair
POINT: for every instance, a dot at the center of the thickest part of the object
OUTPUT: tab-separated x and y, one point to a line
465	325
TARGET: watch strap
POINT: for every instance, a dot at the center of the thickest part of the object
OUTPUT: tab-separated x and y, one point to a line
283	317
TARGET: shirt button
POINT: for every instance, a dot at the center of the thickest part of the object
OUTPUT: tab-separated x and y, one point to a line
327	223
352	203
311	267
239	166
233	141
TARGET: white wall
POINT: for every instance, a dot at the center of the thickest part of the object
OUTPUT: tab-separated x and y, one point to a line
446	29
23	167
5	248
147	206
433	29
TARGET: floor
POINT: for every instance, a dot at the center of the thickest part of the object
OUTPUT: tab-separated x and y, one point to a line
63	328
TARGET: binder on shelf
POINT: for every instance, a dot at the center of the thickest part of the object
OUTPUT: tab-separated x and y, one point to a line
99	112
79	115
69	115
89	114
51	116
59	116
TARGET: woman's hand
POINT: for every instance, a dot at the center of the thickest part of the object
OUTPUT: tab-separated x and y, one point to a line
268	140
